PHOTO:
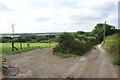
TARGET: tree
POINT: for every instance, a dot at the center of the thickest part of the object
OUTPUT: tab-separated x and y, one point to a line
81	32
27	38
6	39
98	31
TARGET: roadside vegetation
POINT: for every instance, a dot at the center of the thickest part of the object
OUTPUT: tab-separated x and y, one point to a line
71	45
112	46
81	42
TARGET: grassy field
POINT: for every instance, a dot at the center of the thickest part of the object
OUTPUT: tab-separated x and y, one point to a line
7	49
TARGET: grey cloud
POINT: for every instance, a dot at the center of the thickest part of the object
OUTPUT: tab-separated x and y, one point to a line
110	6
69	4
3	7
91	17
106	7
102	11
37	4
42	19
84	18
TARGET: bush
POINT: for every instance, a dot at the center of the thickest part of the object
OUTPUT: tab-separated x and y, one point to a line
67	44
27	38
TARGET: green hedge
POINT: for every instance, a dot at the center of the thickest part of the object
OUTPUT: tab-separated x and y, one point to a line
68	44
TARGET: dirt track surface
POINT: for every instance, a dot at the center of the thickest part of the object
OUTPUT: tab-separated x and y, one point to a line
41	63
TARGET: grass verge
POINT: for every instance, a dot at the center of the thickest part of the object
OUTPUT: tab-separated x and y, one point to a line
116	61
112	46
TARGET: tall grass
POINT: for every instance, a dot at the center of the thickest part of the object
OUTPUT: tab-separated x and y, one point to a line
112	46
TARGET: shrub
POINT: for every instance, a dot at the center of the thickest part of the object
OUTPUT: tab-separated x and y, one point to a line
67	44
70	45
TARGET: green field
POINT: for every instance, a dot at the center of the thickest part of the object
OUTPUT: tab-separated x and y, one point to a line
7	49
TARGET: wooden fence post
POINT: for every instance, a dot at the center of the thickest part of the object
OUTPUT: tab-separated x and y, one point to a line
20	45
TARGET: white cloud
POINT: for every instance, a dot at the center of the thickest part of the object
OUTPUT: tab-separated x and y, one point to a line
56	15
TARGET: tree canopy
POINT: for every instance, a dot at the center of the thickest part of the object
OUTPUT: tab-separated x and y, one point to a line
99	29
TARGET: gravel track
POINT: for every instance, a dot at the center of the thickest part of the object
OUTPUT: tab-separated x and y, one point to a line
41	63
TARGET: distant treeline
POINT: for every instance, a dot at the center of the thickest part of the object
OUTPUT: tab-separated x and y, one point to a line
30	38
97	33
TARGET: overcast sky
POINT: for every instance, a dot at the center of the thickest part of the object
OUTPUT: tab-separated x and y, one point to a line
36	16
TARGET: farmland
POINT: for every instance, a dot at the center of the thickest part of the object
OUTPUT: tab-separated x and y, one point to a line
35	41
7	48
